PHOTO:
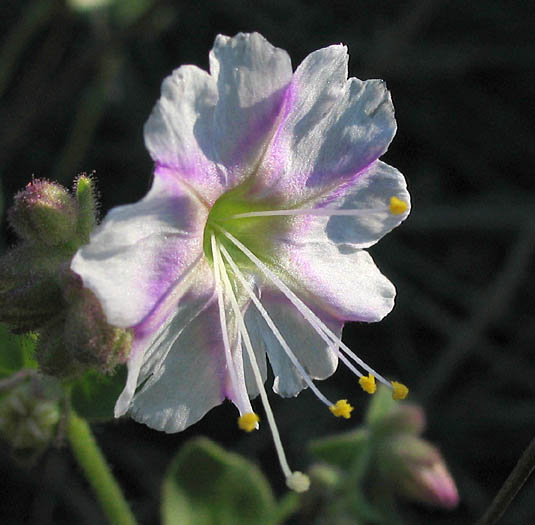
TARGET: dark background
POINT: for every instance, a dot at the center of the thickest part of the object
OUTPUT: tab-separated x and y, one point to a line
75	91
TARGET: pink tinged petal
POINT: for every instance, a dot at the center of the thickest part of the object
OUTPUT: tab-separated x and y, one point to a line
140	250
155	336
370	191
251	77
178	134
348	286
191	379
318	360
333	128
369	195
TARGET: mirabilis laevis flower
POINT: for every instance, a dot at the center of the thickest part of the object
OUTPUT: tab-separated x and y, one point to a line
267	188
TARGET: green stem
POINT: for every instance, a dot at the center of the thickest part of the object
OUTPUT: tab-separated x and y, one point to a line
98	472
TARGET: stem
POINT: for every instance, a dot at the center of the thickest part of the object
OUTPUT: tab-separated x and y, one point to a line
511	487
98	472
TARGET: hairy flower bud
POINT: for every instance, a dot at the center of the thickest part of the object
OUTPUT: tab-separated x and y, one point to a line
84	189
29	414
39	292
417	471
81	339
92	339
44	212
30	291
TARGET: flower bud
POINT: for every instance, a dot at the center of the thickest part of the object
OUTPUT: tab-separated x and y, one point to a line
30	292
81	339
417	471
95	343
84	189
406	417
29	414
44	212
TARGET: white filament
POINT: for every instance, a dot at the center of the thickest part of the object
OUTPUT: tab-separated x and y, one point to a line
309	211
308	314
274	329
241	397
220	268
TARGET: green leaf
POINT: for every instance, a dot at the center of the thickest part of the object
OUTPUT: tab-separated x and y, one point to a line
16	351
93	396
206	485
341	450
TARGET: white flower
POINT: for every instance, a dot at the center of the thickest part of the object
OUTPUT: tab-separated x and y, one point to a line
267	188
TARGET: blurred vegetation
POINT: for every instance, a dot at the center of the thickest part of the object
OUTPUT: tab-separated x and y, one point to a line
76	86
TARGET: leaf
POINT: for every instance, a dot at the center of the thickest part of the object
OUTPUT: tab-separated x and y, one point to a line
16	351
341	450
206	485
93	396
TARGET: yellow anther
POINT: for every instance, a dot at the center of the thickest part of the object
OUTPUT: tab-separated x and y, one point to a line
342	409
397	206
368	384
400	390
248	421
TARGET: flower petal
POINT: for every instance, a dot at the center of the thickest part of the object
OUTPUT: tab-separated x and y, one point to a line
318	360
180	122
140	250
332	129
191	378
347	286
159	330
371	191
251	77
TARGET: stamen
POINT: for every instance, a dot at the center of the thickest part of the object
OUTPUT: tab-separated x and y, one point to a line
368	384
342	409
241	396
298	482
273	328
249	421
400	391
305	311
294	480
396	207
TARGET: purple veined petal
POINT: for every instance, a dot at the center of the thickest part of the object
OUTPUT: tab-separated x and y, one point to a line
318	360
156	334
140	250
252	77
191	380
370	191
180	122
346	285
332	128
368	196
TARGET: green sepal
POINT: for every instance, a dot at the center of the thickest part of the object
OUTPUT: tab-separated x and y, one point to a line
206	485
